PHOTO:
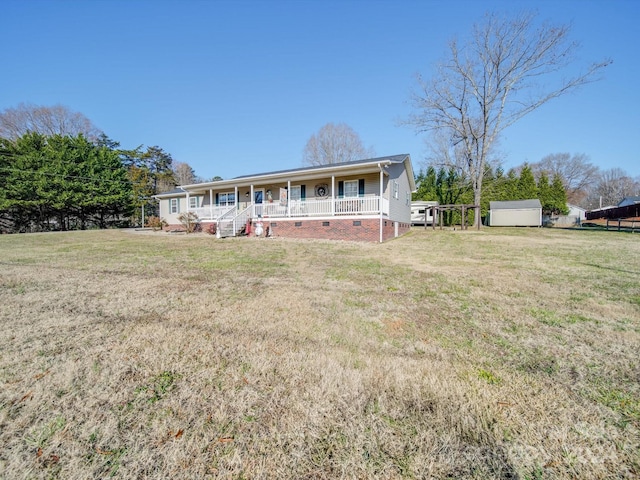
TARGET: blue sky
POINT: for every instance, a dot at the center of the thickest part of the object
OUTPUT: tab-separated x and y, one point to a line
236	88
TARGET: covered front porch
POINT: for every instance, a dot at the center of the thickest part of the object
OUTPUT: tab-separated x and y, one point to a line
366	205
360	200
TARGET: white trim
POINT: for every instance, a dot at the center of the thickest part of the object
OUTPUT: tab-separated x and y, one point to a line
351	182
381	209
333	194
226	202
174	209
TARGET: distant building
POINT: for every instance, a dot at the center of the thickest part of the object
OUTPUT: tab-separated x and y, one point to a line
625	202
578	212
515	213
423	212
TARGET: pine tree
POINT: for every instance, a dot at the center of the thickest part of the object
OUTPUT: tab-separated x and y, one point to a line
526	184
544	194
509	190
558	204
426	182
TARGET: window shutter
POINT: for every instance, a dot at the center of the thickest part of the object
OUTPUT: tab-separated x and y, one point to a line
361	187
178	204
303	192
217	199
340	189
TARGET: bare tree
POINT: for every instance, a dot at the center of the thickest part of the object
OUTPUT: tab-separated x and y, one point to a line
440	153
335	144
611	187
55	120
577	173
183	173
492	81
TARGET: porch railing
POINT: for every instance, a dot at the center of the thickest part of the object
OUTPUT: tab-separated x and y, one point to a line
367	205
212	212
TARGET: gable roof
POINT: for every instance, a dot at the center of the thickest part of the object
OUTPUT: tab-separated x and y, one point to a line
515	204
331	166
629	201
176	192
312	171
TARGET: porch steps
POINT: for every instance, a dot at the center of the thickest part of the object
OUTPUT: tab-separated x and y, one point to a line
226	229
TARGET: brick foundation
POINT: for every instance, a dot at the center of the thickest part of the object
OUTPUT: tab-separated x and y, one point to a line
355	229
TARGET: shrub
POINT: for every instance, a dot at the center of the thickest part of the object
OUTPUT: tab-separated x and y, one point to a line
189	221
156	223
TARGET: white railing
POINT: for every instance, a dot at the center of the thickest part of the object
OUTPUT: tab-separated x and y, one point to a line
307	208
240	220
211	212
359	205
367	205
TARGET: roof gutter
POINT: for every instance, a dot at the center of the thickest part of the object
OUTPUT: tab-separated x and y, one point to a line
308	172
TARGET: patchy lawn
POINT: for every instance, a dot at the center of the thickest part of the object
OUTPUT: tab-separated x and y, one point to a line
505	353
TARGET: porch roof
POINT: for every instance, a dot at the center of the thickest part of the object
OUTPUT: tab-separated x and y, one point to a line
357	166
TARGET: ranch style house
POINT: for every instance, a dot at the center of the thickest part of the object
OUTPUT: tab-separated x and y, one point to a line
363	200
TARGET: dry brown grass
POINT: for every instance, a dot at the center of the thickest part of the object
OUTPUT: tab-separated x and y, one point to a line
499	354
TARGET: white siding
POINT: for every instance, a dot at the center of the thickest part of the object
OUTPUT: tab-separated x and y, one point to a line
400	207
528	217
165	209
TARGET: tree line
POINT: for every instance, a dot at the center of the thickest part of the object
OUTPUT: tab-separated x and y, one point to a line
59	172
448	186
557	180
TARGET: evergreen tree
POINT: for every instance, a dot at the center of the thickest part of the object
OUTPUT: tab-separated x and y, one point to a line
509	190
544	194
69	180
426	182
451	189
159	164
526	184
558	203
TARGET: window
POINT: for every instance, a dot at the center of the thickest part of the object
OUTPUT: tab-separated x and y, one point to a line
194	202
226	199
395	190
351	188
298	192
174	205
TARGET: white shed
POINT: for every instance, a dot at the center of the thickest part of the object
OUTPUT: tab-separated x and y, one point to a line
515	213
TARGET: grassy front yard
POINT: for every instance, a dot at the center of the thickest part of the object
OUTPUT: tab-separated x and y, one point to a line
505	353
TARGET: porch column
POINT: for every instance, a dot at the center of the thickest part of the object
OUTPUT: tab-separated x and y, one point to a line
211	202
235	205
380	199
288	198
333	195
251	199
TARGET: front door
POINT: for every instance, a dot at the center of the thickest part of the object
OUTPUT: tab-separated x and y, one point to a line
258	200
